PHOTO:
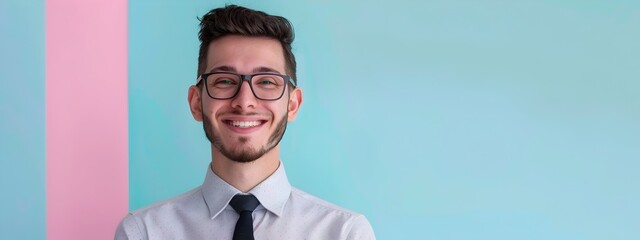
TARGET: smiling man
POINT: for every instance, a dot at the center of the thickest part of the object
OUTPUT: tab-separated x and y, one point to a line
245	95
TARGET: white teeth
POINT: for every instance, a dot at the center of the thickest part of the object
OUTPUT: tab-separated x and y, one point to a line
243	124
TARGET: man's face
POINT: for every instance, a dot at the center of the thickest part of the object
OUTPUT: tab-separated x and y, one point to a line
244	128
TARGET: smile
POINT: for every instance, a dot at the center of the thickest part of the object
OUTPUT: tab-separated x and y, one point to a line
244	124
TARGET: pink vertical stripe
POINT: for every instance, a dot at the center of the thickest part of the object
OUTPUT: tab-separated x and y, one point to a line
86	114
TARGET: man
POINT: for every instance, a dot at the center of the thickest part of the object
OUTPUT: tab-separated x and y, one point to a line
245	95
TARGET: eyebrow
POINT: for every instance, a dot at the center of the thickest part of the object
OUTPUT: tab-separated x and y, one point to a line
260	69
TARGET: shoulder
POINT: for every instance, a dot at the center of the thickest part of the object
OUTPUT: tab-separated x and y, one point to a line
303	198
353	225
180	202
136	224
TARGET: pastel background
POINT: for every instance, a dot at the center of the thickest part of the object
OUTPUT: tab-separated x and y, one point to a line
436	119
22	120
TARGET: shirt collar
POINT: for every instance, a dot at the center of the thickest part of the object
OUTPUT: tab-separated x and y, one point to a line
272	193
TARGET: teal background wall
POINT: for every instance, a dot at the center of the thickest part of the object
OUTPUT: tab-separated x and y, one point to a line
435	119
22	111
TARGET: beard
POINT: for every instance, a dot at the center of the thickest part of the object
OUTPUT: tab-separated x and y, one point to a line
241	152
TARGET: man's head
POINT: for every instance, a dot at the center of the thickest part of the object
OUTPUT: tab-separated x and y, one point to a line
236	20
236	40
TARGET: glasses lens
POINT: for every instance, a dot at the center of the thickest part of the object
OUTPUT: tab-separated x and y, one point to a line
268	87
222	85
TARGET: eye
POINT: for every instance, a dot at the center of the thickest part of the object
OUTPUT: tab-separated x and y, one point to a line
224	82
267	82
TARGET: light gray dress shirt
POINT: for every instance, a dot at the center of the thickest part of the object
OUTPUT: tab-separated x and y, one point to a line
284	213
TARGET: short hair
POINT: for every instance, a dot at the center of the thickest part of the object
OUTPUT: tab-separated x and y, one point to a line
237	20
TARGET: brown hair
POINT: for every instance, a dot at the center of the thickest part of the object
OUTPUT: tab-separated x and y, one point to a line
237	20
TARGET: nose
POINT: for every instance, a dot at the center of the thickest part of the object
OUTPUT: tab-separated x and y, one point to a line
245	98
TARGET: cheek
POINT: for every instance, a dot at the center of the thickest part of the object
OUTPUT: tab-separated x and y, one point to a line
210	109
280	110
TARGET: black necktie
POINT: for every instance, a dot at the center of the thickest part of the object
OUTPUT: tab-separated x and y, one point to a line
244	205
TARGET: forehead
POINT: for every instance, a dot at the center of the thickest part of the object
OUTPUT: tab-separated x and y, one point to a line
245	54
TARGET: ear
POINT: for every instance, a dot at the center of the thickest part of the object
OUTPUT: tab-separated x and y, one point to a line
295	100
195	102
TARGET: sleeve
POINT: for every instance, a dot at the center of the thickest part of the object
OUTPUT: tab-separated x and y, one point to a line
128	229
361	229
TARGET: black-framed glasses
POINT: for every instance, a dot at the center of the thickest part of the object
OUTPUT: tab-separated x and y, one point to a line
226	85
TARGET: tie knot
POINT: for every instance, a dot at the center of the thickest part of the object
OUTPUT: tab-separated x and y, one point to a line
244	203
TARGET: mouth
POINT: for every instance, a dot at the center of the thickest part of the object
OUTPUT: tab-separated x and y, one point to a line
245	124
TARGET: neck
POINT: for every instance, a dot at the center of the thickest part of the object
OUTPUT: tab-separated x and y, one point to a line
245	176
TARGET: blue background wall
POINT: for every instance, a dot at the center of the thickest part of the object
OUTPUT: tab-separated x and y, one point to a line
22	111
436	119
